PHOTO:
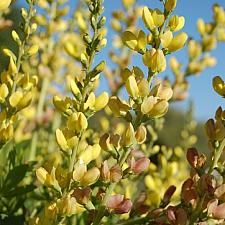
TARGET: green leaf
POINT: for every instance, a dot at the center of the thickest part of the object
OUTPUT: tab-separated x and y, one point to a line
15	176
19	191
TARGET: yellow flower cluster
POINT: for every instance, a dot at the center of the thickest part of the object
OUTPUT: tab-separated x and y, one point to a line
16	88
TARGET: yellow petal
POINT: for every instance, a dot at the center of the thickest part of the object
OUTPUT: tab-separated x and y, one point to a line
61	140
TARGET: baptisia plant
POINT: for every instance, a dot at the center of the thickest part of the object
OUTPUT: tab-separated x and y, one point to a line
73	153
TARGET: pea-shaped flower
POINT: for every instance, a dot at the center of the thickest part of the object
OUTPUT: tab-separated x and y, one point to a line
155	60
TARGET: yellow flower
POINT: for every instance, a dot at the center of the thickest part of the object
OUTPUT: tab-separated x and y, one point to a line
131	87
170	5
128	137
61	140
90	177
3	92
4	4
176	23
147	18
194	49
155	60
178	42
201	26
136	43
101	101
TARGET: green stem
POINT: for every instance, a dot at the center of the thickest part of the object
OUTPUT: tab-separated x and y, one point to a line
217	153
22	46
74	154
102	208
39	114
109	190
55	125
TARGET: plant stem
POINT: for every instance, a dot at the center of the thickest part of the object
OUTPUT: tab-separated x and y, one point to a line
74	154
39	114
109	190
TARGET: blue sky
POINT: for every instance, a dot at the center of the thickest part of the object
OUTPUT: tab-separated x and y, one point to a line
205	99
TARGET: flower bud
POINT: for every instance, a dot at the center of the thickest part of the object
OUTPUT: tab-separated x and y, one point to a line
131	87
178	42
192	157
25	101
143	87
104	142
219	212
80	169
41	174
155	60
148	104
209	43
66	206
74	88
128	3
82	122
194	49
12	66
15	37
176	23
98	69
219	14
90	177
221	35
115	173
61	105
32	50
115	24
170	5
220	192
219	85
61	140
141	41
48	179
118	204
141	134
166	38
140	165
4	91
105	172
130	40
101	101
168	194
201	26
189	192
15	98
82	195
158	17
209	61
117	106
128	137
90	153
147	18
